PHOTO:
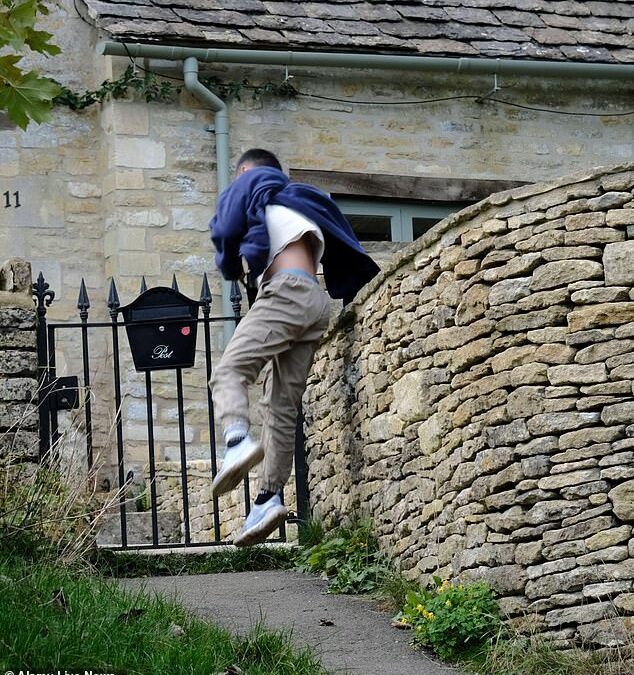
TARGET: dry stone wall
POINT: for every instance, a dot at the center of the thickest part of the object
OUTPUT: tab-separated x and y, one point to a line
18	364
477	401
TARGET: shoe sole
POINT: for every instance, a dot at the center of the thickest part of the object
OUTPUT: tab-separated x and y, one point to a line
226	480
259	533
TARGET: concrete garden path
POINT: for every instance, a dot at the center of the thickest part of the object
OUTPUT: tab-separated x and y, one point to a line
348	633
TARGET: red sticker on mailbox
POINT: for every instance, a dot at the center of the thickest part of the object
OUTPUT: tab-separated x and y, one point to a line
185	330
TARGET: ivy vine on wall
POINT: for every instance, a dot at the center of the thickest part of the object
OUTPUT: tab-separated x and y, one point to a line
147	85
229	91
152	88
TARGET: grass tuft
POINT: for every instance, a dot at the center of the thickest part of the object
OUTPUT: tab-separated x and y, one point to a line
249	559
311	533
55	618
520	654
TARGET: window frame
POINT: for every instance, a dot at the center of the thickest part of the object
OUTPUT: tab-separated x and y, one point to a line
413	196
401	213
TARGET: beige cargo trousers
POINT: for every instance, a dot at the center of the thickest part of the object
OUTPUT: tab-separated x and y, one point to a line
282	331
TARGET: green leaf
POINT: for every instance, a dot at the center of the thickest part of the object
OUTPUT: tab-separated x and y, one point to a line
8	72
28	97
15	22
17	27
39	41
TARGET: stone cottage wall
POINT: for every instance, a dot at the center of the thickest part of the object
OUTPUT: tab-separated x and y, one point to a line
19	440
477	401
127	188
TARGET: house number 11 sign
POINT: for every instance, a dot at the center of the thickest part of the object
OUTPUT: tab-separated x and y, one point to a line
11	199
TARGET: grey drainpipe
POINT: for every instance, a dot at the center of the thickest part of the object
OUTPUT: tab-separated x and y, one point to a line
221	119
379	61
221	130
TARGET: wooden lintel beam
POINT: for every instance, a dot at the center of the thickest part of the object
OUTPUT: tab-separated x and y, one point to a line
402	187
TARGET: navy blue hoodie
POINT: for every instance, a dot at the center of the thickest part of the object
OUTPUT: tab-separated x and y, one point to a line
239	229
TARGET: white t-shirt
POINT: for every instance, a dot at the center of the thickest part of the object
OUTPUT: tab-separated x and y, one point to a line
285	225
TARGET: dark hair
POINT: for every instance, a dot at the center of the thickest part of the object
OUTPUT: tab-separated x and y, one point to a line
259	157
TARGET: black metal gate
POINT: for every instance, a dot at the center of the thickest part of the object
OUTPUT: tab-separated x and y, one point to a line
63	396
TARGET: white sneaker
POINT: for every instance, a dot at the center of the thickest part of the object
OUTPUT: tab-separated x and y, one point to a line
261	521
239	459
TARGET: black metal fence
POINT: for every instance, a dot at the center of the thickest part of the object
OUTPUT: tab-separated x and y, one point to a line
172	314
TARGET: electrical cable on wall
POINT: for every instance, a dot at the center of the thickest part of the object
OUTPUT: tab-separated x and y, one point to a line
473	97
427	101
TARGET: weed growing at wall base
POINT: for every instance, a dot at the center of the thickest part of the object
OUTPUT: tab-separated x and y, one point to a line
349	557
454	620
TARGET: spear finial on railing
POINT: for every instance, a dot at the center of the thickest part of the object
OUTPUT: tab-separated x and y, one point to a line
113	299
236	298
205	292
83	303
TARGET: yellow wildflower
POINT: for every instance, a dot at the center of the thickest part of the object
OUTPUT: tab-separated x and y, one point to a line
444	586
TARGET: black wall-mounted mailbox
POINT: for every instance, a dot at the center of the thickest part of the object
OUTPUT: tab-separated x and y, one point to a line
161	326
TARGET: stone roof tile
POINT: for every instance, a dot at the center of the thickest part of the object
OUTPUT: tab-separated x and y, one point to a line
554	36
263	35
568	7
330	39
589	30
376	13
285	8
152	29
354	27
496	49
443	46
212	5
613	25
511	17
408	29
594	37
125	11
623	55
471	32
239	5
327	10
582	53
471	15
422	13
532	51
298	23
563	21
621	9
228	36
215	17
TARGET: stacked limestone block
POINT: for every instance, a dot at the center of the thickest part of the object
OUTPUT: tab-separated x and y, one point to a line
477	400
18	364
231	508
